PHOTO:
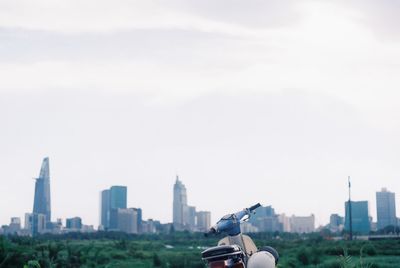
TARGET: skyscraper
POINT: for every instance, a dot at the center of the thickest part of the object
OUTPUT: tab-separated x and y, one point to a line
118	196
336	223
191	217
105	209
112	199
266	220
35	223
124	220
302	224
385	209
360	217
139	219
184	216
203	220
14	227
180	209
74	223
42	203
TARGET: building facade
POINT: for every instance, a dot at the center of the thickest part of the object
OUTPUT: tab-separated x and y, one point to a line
180	207
184	216
359	215
74	223
35	223
139	219
266	220
385	209
15	225
203	220
191	217
105	209
124	220
14	228
302	224
336	223
285	221
110	201
118	197
42	201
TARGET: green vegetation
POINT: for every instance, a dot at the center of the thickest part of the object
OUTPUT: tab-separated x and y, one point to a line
178	250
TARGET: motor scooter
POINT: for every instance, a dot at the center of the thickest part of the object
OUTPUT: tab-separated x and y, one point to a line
237	250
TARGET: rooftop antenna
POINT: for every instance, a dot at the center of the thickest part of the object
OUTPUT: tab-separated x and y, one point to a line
350	216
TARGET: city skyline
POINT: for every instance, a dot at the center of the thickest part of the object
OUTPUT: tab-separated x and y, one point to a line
115	198
277	102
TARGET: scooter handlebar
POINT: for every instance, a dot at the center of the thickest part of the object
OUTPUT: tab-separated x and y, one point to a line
247	211
231	223
255	207
211	231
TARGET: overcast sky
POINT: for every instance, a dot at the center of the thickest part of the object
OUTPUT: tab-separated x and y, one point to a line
248	101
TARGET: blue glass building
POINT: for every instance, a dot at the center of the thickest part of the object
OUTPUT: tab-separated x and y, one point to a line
42	202
385	209
360	217
111	200
118	196
105	208
74	223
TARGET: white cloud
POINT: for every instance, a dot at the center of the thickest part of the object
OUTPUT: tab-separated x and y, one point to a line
99	16
328	51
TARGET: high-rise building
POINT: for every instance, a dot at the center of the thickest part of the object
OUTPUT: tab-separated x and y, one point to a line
150	226
266	220
139	219
112	199
180	209
359	217
191	217
105	209
124	220
203	220
184	216
28	221
285	222
42	202
35	223
15	226
385	209
302	224
336	223
74	223
118	197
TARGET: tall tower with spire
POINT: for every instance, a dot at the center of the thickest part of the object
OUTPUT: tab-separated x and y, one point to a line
179	204
42	203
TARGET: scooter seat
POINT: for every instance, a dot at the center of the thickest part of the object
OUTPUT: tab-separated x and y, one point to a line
221	252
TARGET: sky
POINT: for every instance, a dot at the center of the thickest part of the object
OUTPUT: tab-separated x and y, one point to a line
272	101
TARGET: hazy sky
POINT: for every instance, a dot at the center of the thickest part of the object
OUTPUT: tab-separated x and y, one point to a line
248	101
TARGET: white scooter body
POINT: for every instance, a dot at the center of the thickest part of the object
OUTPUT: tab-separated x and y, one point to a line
243	241
255	258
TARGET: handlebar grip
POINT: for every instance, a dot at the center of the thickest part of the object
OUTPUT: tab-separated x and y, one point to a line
210	232
255	206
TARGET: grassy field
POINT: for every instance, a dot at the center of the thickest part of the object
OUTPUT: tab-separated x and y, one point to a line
183	250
